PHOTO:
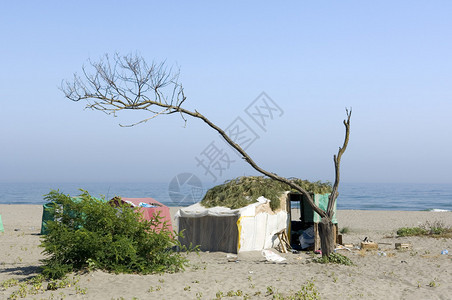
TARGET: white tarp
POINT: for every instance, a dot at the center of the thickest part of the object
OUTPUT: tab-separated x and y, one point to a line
259	232
256	231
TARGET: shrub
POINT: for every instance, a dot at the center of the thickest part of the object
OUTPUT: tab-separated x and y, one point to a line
308	292
335	258
344	230
433	229
89	233
411	231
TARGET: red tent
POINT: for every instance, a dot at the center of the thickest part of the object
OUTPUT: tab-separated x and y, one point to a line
149	207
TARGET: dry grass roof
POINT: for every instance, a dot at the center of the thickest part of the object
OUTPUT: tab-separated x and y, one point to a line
242	191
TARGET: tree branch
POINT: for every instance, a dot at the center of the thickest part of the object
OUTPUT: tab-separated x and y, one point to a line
132	84
337	162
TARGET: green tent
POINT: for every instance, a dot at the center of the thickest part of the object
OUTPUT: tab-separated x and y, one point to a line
48	207
46	216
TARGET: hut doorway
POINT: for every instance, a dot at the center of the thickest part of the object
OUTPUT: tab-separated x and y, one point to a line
298	222
303	226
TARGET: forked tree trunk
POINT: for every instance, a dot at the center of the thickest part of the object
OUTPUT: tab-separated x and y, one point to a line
326	234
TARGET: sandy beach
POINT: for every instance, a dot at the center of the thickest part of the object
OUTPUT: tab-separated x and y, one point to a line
420	273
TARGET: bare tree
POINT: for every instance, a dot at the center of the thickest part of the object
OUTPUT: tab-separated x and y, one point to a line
128	82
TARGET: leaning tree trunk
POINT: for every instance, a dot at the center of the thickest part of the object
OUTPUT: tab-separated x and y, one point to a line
326	231
129	83
326	234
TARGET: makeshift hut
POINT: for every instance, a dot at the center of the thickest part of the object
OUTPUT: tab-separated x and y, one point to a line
230	219
149	207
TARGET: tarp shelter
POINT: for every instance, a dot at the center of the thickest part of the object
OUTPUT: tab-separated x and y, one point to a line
149	207
47	216
252	227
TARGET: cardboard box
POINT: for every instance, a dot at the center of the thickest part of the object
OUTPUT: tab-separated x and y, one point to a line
369	245
403	246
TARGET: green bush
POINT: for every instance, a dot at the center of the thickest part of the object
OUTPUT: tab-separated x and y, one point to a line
334	258
90	234
345	230
411	231
432	229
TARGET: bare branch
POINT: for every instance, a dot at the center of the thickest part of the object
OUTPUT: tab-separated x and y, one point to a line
127	82
145	120
337	163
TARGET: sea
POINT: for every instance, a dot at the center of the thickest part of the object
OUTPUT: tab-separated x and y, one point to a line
359	196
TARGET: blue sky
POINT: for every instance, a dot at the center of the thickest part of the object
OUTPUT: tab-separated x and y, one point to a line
388	60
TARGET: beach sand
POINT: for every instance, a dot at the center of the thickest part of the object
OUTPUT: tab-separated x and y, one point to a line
420	273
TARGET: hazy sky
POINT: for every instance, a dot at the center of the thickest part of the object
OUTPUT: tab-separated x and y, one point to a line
391	61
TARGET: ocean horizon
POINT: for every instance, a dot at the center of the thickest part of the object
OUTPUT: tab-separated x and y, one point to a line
352	196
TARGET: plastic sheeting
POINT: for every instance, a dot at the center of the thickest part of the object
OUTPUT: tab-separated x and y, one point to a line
259	232
322	201
150	207
230	230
